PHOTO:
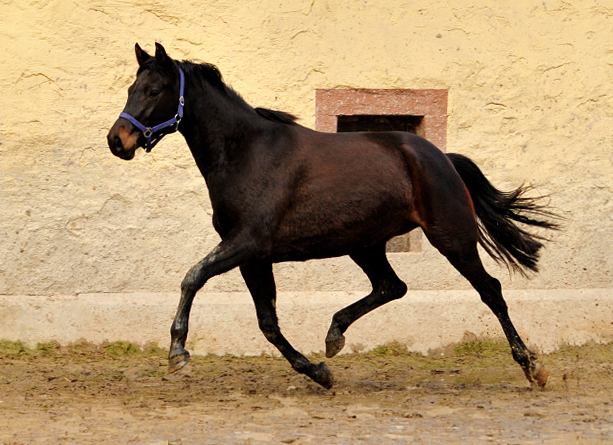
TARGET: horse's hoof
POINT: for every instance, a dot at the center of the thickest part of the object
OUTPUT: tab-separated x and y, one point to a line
321	374
537	375
540	375
334	345
178	361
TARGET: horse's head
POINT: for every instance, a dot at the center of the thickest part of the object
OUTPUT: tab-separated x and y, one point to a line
154	107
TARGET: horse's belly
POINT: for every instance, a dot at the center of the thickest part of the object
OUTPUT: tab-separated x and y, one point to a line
337	231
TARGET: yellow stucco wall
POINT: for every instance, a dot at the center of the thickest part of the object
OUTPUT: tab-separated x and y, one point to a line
530	99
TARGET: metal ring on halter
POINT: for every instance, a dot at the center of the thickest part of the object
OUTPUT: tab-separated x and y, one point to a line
148	132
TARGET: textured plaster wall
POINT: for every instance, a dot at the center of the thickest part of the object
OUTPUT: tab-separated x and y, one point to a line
530	98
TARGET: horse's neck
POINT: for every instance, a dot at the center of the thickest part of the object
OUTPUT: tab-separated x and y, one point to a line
217	131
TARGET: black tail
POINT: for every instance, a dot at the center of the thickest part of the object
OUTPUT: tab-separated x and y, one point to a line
498	214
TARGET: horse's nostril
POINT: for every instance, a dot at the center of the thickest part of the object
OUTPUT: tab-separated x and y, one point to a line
114	141
118	142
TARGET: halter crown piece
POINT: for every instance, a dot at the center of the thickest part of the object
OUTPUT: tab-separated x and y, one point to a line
149	132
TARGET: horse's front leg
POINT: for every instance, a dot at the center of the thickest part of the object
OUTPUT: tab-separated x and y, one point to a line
227	255
261	283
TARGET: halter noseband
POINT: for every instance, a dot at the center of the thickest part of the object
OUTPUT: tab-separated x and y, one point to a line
149	132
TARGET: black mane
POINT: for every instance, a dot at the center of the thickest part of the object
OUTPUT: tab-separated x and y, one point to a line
212	75
207	71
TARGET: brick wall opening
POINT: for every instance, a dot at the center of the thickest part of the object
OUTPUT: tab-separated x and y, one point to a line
369	122
423	112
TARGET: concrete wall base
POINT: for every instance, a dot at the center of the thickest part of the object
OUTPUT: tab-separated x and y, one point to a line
225	323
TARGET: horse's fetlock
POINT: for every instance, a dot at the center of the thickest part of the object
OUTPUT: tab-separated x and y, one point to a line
522	358
302	366
334	331
178	332
339	324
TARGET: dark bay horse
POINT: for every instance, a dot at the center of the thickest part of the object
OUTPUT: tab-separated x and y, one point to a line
283	192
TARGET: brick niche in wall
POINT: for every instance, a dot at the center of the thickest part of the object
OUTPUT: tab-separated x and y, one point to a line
430	104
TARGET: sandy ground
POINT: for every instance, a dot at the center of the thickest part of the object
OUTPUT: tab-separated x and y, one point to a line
471	393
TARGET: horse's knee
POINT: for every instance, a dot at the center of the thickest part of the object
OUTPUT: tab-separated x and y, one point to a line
190	284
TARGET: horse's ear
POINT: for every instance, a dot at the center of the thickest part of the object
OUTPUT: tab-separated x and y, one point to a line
141	55
160	55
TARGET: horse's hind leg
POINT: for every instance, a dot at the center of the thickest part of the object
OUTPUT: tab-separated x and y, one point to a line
386	286
461	251
260	281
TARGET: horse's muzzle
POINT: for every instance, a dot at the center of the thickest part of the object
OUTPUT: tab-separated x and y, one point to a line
123	139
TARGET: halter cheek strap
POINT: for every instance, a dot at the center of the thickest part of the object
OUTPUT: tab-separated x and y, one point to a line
150	132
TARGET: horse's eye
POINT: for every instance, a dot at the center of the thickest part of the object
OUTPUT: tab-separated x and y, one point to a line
154	93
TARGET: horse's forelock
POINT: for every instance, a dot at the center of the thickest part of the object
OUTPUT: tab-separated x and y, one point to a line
153	65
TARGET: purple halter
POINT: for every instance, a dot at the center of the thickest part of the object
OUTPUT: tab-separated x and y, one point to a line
148	132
